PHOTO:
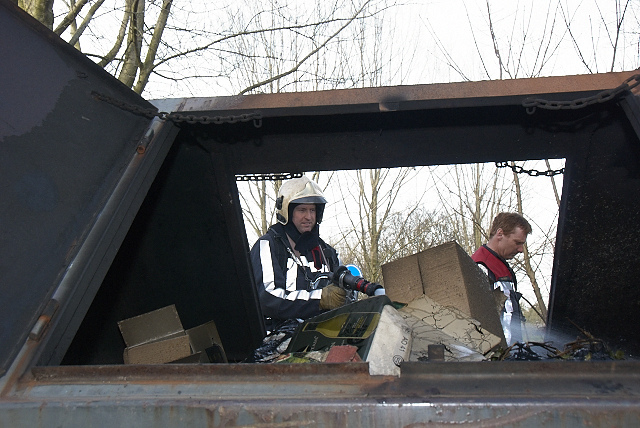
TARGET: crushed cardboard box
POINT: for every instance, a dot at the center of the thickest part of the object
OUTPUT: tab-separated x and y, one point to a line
391	344
447	275
158	337
462	335
424	335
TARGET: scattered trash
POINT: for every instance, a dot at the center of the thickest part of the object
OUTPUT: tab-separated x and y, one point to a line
584	348
275	343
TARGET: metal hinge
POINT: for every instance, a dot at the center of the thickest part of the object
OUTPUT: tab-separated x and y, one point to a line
44	320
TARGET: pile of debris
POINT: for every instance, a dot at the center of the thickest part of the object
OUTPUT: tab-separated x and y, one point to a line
438	307
449	295
447	301
587	348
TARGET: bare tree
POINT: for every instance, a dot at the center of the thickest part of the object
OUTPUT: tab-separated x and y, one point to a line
412	230
523	45
526	256
471	196
307	49
268	66
258	201
142	39
369	198
527	39
152	40
613	28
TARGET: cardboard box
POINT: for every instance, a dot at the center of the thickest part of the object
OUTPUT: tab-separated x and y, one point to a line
425	335
447	275
456	325
197	358
159	352
156	325
206	340
158	337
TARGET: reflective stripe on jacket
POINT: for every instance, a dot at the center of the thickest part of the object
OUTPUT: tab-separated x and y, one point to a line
285	285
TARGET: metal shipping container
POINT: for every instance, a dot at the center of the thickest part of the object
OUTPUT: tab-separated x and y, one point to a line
109	210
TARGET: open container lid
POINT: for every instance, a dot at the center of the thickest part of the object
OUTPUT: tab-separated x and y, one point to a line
72	179
63	153
74	171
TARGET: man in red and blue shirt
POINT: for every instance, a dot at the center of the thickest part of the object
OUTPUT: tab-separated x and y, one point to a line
507	237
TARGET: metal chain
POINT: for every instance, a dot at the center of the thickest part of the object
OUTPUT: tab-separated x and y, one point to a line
268	177
191	119
532	172
532	103
179	117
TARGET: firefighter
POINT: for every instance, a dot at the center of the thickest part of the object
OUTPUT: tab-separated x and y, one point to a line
292	265
507	237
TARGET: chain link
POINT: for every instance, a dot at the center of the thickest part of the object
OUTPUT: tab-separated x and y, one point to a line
268	177
179	117
532	172
532	103
192	119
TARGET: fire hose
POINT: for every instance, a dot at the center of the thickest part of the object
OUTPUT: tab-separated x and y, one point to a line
343	278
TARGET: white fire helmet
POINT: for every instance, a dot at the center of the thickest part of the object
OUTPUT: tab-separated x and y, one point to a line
299	191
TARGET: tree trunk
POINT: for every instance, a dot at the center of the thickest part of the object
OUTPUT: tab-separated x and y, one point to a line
149	63
132	63
553	184
375	272
478	234
527	259
42	10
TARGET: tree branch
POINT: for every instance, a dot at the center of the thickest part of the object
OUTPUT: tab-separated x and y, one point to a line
309	55
70	17
110	56
76	36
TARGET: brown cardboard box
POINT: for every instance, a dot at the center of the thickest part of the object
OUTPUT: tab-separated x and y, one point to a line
402	279
152	326
199	357
155	337
158	337
159	352
204	338
448	275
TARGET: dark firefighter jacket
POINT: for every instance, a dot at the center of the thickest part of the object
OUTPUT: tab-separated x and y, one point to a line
289	286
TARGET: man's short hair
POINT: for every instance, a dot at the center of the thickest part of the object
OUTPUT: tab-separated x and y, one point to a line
508	222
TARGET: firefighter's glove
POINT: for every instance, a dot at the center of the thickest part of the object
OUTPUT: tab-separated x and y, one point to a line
361	296
332	297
